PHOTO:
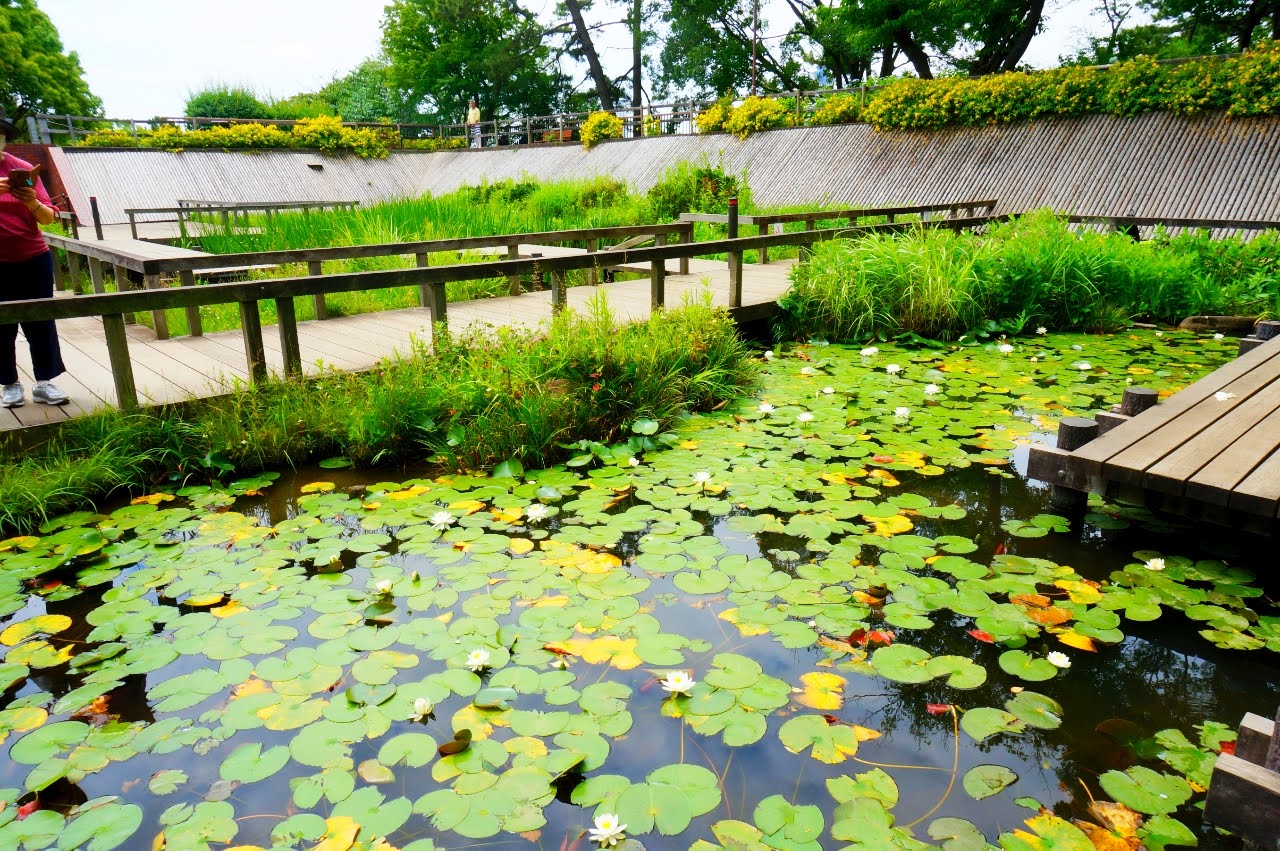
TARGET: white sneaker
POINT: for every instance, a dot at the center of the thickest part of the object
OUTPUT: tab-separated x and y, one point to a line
12	397
47	392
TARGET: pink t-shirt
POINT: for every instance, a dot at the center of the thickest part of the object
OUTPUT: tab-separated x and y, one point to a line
20	237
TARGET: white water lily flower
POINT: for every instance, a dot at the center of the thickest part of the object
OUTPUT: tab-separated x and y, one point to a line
893	369
1035	360
421	709
902	413
384	586
1042	330
1078	347
1154	564
1059	660
1218	336
535	512
701	477
633	461
678	682
768	355
765	408
869	351
804	370
1223	395
442	520
1082	365
478	660
607	830
828	390
932	390
1159	333
1005	348
804	417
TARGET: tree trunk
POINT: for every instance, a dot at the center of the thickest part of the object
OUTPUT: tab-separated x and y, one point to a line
1018	47
888	60
915	53
637	52
1252	17
589	51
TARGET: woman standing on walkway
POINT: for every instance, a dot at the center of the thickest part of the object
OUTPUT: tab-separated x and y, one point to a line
26	272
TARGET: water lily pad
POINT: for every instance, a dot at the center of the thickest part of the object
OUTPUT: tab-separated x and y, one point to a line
646	806
1023	665
1147	791
983	781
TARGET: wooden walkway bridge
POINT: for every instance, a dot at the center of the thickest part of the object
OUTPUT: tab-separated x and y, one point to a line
1212	449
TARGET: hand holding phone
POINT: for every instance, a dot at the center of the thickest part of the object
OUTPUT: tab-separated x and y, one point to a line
23	178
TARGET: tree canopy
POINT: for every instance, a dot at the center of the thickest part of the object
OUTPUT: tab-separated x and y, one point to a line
36	73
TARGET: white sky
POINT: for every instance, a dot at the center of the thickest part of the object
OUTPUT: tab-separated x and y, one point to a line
145	57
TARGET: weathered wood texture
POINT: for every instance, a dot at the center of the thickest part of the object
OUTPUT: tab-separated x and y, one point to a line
1216	442
1244	795
1158	164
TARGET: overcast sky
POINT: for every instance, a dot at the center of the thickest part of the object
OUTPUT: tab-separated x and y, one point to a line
145	57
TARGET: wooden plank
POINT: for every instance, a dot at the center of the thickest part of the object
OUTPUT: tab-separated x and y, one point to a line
1244	799
251	325
194	326
288	324
1259	493
1129	466
158	320
1205	451
1087	462
121	366
315	269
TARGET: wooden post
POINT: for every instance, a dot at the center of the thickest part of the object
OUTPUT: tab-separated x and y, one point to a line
73	270
158	319
133	226
182	224
764	251
1244	795
686	238
423	260
735	279
657	286
96	276
290	349
121	274
513	281
439	314
1138	399
121	366
187	278
559	297
322	310
593	274
59	282
255	353
1073	432
660	241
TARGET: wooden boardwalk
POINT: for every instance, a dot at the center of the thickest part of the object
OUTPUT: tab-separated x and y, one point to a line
1215	443
185	368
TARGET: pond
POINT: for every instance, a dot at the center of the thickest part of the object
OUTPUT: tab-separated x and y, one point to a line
831	615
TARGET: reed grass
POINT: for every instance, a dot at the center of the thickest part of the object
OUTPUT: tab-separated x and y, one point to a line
1035	270
489	396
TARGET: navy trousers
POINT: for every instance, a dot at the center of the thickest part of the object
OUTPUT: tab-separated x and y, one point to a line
28	279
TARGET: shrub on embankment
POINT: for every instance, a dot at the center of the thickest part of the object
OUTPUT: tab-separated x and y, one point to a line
1035	270
483	398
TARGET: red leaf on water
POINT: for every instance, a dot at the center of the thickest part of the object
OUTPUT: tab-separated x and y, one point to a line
983	635
1227	747
859	637
999	549
27	809
832	720
881	636
883	459
937	708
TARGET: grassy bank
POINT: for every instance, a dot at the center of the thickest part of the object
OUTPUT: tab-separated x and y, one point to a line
518	396
1035	271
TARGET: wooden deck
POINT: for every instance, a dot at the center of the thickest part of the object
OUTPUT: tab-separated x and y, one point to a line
185	368
1215	443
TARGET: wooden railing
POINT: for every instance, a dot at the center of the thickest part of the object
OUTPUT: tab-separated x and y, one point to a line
430	281
810	218
226	209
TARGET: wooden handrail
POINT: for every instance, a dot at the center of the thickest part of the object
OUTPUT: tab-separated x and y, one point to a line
854	213
1173	222
431	280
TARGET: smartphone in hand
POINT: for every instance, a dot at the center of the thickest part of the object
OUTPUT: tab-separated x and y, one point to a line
23	177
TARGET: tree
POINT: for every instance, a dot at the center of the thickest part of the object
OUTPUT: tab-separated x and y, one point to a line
36	73
444	52
1218	26
222	101
604	87
709	48
367	94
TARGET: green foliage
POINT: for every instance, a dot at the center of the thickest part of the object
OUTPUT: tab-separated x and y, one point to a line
837	109
441	54
1242	85
36	73
693	188
512	394
303	106
366	94
1032	271
325	133
600	126
755	114
224	101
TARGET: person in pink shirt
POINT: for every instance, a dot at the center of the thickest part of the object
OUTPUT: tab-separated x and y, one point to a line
26	272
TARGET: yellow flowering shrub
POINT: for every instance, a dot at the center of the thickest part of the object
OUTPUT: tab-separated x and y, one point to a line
711	119
598	127
837	109
755	114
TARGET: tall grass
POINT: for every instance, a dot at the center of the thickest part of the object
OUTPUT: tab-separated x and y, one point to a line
482	398
1035	270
